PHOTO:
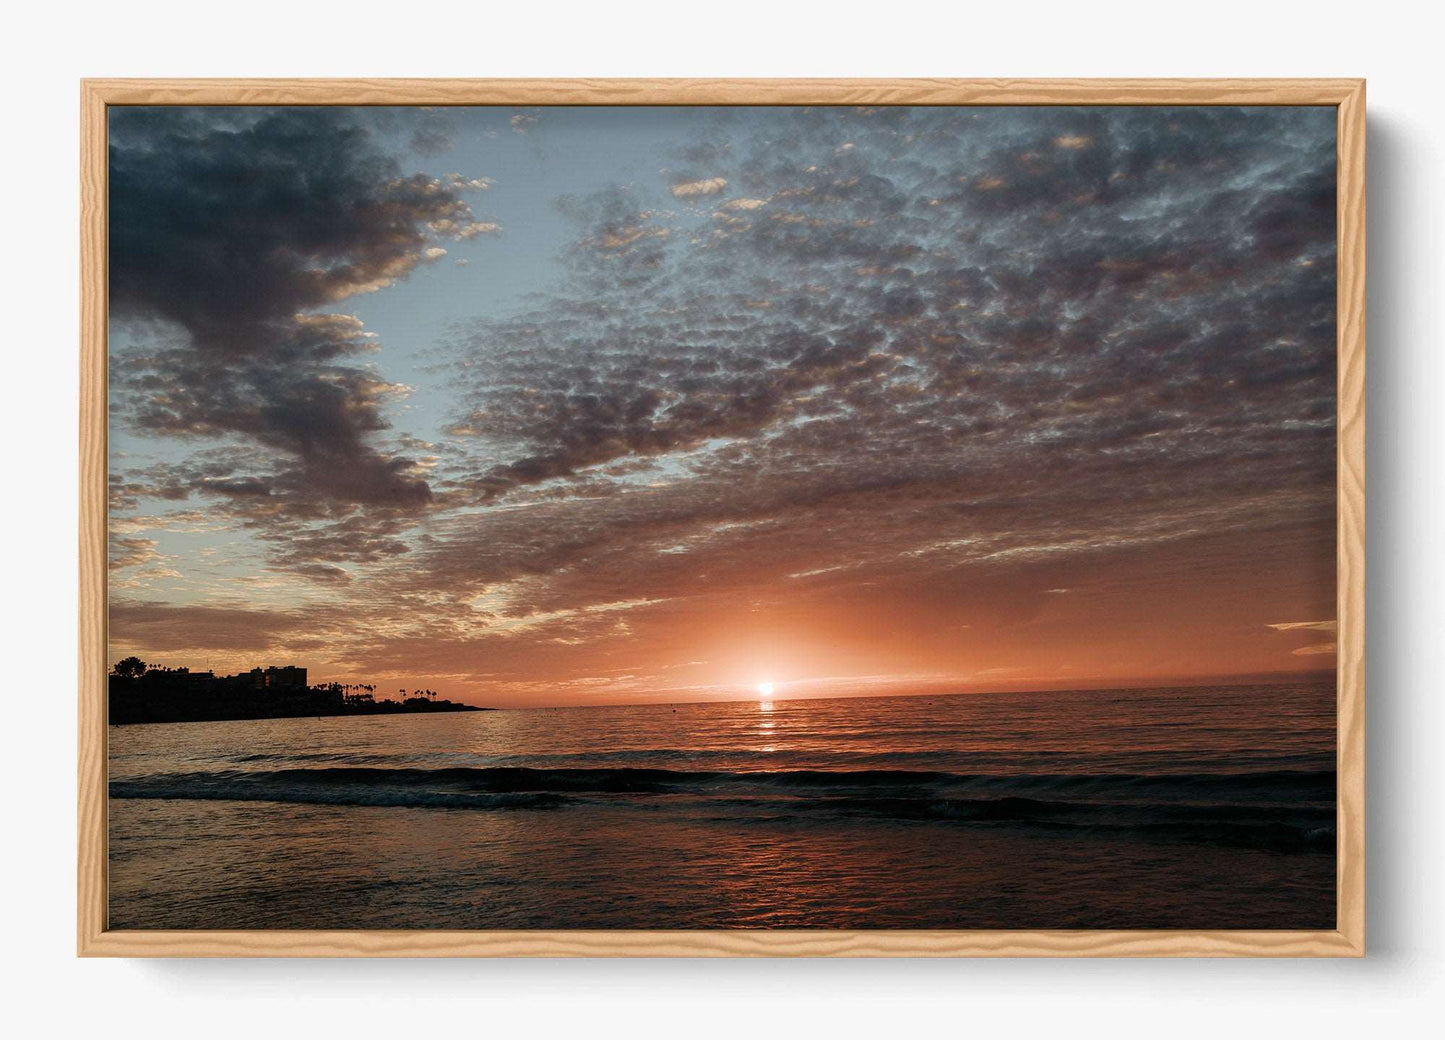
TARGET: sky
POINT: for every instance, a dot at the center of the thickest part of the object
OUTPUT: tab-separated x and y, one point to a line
587	405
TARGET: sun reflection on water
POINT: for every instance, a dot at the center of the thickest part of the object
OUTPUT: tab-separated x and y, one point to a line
766	725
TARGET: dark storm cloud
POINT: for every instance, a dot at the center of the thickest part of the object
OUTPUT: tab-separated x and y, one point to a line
234	230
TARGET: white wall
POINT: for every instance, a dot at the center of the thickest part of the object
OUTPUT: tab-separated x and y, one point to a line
49	46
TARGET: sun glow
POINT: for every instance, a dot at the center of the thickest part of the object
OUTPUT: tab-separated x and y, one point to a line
765	689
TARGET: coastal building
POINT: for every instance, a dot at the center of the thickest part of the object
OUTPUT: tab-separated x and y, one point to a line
178	677
273	678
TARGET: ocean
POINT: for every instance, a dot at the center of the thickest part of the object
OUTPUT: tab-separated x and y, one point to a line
1181	808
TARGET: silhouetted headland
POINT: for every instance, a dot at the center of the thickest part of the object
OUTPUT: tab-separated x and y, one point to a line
141	693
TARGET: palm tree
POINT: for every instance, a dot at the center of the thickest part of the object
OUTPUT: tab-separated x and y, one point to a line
130	667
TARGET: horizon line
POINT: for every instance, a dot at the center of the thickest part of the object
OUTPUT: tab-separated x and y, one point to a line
1279	678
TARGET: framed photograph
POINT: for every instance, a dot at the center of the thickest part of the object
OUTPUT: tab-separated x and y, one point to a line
669	517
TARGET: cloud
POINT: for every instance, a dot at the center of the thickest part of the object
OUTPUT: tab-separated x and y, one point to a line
430	131
699	188
172	630
1315	649
431	140
130	551
299	210
462	183
1038	369
1310	626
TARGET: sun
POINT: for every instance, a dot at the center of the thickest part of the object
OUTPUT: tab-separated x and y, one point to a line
765	689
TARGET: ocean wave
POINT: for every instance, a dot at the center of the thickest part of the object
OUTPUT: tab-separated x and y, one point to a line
1291	783
191	787
1278	809
1239	760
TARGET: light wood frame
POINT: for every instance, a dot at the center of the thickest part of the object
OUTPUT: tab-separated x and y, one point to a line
1348	938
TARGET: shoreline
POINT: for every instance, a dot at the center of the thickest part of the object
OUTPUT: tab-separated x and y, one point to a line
297	715
132	702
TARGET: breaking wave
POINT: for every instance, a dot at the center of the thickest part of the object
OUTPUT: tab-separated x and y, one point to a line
1283	810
